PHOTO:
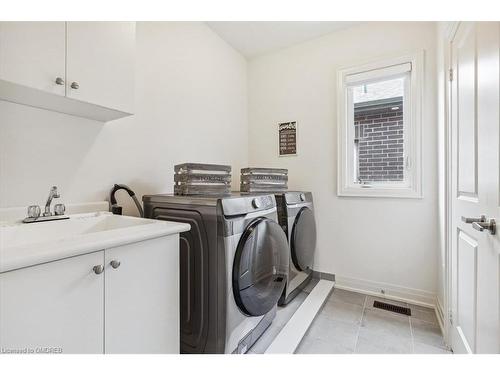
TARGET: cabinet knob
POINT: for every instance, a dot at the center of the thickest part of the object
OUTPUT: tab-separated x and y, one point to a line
98	269
75	85
115	264
59	81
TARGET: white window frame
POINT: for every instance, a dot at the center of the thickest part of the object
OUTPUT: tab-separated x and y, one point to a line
412	112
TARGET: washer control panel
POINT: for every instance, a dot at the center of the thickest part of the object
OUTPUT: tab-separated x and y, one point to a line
263	202
241	205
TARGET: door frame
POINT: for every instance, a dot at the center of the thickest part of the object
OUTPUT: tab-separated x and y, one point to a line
448	36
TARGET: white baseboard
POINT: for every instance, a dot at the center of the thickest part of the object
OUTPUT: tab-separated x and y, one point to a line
441	317
394	292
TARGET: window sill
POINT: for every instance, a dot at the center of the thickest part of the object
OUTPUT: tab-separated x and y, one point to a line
379	192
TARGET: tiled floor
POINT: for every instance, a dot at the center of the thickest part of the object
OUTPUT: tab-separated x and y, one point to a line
348	323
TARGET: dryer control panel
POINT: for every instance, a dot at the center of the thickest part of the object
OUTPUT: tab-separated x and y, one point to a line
294	197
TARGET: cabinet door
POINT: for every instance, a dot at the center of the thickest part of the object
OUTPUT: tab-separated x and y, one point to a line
54	305
33	54
100	63
142	297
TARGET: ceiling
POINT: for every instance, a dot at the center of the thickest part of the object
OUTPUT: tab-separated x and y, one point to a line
256	38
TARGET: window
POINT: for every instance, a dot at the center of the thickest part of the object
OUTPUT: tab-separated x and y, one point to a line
379	129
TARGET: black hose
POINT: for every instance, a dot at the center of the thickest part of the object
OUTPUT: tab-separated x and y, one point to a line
112	200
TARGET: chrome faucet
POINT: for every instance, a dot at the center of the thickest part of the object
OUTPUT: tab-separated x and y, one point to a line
53	194
59	209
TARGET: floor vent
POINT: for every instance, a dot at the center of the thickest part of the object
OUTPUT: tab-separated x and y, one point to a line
392	308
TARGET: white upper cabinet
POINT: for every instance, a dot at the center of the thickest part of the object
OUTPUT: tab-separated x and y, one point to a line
100	63
33	54
85	69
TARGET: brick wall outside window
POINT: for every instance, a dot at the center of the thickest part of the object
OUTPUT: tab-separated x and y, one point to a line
379	138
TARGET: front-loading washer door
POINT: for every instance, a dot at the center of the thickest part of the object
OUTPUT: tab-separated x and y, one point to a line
303	239
260	267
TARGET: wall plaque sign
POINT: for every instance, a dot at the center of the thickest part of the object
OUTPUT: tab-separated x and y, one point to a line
287	137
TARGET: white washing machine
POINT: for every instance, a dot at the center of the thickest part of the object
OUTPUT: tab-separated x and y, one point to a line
257	258
296	217
234	266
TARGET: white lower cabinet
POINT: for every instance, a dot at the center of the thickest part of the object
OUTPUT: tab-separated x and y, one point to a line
131	305
55	305
142	297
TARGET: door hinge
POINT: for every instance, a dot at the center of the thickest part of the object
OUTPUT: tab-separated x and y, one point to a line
450	75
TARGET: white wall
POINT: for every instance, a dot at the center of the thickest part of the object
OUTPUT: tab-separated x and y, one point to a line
368	243
191	105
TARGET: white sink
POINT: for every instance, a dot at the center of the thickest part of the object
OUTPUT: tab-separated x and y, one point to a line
22	245
23	234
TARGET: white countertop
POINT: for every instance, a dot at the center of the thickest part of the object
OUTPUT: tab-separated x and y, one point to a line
24	245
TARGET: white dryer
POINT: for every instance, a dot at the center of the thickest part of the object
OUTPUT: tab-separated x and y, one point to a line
296	217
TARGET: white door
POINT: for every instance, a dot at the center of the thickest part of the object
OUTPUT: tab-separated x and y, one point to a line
475	289
33	54
100	63
142	297
57	305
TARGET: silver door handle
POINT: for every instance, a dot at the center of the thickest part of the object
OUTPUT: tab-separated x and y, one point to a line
98	269
75	85
470	220
59	81
115	264
491	226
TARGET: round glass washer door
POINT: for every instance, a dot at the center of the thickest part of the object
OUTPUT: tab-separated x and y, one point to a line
260	267
303	239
